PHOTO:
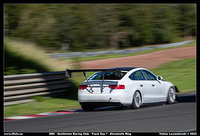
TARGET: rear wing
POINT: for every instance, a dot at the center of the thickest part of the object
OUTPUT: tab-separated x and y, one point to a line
68	72
117	71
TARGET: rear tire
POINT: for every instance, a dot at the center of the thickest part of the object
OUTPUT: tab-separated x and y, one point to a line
171	96
137	100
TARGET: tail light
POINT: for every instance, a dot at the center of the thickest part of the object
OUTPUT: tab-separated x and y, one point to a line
82	87
117	86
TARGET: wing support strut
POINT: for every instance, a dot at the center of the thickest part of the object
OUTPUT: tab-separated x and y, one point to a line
87	82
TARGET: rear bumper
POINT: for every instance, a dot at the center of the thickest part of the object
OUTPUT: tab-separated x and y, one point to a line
120	98
100	104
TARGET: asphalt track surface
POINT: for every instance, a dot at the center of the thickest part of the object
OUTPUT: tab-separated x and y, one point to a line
179	117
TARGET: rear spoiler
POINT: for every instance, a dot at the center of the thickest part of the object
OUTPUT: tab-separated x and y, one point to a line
117	71
68	72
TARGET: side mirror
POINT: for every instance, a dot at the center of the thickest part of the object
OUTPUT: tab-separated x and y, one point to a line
159	78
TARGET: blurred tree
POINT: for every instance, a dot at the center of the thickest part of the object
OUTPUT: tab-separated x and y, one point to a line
95	26
106	24
186	19
163	29
12	13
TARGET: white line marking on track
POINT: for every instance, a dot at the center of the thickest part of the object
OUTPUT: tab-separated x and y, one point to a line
20	117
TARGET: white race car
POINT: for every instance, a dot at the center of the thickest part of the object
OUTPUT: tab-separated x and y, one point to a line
124	86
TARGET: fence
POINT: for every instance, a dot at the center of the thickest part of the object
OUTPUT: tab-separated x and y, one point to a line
22	88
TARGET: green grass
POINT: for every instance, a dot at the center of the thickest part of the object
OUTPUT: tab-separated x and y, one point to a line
46	105
23	57
181	73
15	63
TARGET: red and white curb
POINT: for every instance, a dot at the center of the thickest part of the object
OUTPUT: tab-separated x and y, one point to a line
42	114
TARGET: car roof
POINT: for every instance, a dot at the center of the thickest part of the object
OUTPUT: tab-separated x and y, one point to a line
124	68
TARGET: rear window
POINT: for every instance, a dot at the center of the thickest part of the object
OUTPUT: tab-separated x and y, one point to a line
107	76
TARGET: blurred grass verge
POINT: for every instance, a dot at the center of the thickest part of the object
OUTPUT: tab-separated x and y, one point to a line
181	73
25	58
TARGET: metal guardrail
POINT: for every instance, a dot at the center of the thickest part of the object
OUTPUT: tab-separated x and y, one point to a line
22	88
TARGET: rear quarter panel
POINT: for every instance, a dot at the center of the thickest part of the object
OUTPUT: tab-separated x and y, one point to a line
130	89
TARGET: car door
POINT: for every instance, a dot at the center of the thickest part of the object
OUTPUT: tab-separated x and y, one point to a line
152	87
138	80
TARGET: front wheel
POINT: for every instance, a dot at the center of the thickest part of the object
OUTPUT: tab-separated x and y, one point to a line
171	96
137	100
